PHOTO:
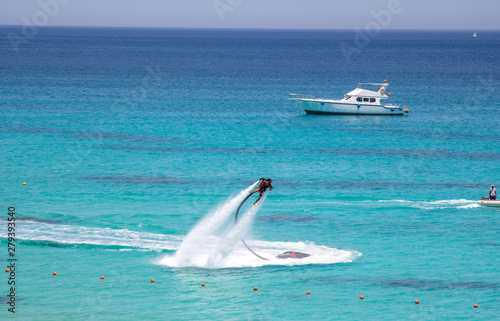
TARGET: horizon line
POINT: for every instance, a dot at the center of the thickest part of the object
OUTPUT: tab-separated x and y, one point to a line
243	28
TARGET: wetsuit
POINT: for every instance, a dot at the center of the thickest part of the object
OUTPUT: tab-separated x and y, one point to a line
263	187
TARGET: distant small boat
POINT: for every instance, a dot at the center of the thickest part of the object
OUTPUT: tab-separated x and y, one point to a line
474	35
366	99
489	203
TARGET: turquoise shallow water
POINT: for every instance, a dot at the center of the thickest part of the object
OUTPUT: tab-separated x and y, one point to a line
128	138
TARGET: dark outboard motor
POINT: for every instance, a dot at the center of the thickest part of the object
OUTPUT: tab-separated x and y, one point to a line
292	255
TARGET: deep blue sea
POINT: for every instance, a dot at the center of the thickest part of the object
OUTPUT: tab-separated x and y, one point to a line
137	146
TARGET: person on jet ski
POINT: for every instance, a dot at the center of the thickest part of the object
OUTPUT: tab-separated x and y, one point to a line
264	185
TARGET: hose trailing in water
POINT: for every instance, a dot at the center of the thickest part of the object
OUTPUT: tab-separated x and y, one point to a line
236	222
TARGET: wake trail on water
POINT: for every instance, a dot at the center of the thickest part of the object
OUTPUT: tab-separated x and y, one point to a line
439	204
424	205
47	233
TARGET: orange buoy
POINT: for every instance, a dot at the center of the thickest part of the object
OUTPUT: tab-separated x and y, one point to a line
476	306
255	289
24	183
203	284
102	277
7	270
361	297
417	301
54	273
308	292
152	280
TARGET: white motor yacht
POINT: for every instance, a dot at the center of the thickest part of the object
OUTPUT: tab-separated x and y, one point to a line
364	100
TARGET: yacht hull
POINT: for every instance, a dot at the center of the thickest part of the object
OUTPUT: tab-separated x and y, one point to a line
318	107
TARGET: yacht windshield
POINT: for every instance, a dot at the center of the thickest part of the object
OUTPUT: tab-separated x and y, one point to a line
371	87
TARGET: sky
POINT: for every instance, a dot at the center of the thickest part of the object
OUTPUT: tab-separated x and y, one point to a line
269	14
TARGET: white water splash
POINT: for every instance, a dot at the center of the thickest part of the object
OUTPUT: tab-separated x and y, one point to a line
204	247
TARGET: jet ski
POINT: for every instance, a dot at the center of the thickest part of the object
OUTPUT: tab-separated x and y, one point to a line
490	203
292	255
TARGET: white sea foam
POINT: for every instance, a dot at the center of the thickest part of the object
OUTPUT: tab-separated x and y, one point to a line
68	234
425	205
429	205
241	257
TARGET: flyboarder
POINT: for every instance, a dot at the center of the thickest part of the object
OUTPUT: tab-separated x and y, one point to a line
264	185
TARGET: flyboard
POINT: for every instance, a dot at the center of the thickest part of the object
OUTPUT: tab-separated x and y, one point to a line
285	255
